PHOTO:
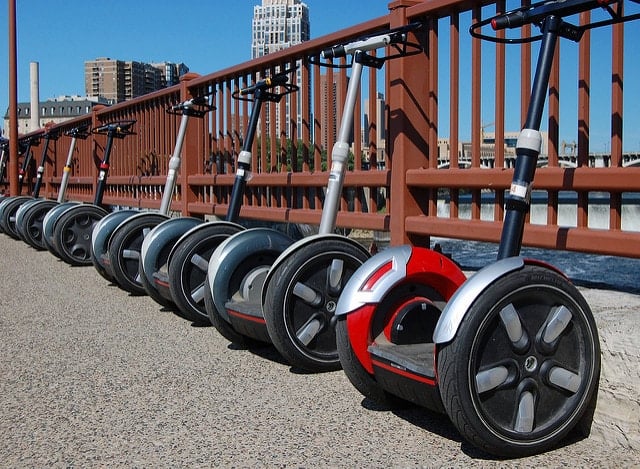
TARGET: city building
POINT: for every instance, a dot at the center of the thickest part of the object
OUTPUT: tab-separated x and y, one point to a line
374	117
54	111
118	80
277	25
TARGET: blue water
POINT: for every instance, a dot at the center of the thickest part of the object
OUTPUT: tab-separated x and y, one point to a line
591	270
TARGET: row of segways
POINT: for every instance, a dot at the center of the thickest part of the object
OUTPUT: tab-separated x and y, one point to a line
223	273
511	354
64	228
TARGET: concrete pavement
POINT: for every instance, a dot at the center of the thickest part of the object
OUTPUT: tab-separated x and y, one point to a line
93	377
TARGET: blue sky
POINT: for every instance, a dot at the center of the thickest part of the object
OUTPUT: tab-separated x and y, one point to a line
62	35
207	35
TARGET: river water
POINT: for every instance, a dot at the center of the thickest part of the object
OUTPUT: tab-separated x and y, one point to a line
592	270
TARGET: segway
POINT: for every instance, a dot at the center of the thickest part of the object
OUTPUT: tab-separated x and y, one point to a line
265	286
24	148
4	157
182	277
511	355
73	227
10	207
117	238
30	216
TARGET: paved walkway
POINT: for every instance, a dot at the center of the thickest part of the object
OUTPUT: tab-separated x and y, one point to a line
92	377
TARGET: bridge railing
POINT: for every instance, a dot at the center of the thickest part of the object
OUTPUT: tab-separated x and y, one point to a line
397	181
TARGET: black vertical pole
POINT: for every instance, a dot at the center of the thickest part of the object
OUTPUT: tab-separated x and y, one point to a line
240	181
518	201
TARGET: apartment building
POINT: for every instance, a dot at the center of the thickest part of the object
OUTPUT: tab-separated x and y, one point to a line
119	80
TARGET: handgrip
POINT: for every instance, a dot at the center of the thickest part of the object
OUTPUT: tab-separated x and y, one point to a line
268	82
537	12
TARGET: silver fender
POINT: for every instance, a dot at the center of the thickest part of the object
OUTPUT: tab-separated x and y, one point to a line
5	202
22	210
456	309
371	283
302	243
103	230
37	204
124	225
353	296
155	242
210	225
235	250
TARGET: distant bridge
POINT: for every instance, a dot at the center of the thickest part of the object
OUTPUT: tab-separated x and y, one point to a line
487	160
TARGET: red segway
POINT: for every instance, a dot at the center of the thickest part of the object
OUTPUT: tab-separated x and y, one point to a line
511	355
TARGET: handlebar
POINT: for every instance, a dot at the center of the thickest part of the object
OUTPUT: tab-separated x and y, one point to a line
538	12
196	107
265	86
397	37
81	132
52	134
269	82
118	129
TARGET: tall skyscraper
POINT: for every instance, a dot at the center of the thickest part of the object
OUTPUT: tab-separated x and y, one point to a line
277	25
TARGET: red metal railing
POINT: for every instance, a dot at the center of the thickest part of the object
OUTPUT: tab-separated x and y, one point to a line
400	178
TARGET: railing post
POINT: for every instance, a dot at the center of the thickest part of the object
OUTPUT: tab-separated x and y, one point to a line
192	151
408	101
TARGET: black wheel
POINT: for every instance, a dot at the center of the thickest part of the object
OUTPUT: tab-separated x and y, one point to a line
524	365
72	233
124	250
8	218
188	269
32	223
301	298
48	225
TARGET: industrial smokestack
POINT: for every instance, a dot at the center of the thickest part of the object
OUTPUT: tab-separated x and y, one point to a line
34	123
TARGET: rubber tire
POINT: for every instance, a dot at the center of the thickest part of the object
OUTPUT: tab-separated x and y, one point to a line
182	277
9	211
129	236
48	225
458	362
310	263
65	233
32	223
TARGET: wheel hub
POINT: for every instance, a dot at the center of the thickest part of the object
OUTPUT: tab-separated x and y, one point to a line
531	364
